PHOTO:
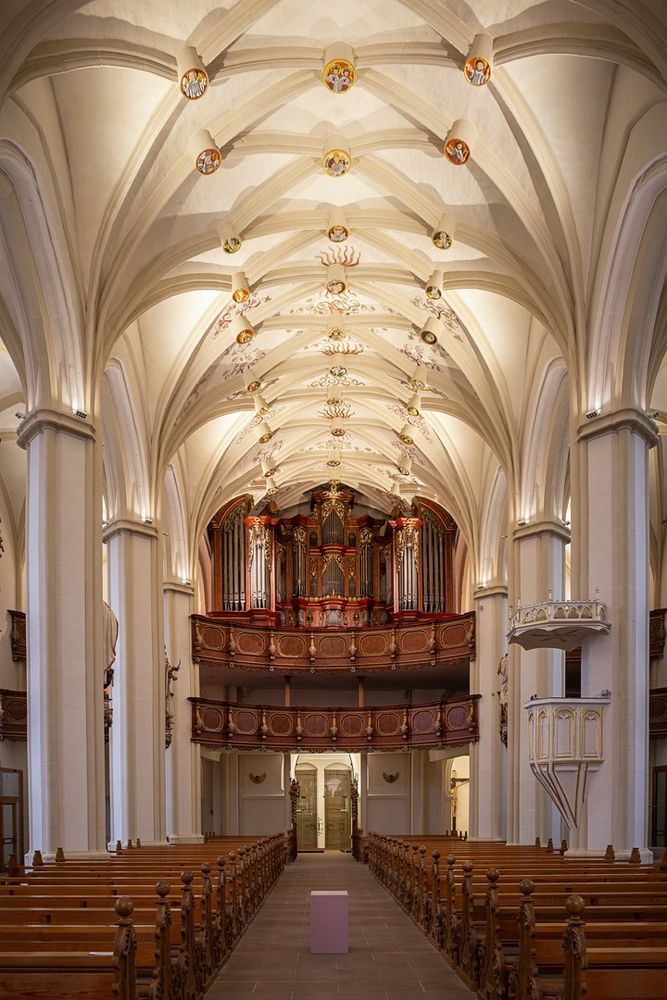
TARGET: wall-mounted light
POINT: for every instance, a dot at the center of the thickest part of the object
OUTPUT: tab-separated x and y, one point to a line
592	414
81	414
522	523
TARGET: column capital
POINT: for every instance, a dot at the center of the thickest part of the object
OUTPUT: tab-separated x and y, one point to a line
128	525
546	526
491	590
178	587
41	419
628	418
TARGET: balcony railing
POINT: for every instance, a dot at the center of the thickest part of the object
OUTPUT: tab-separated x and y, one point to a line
406	647
258	727
557	624
657	712
13	715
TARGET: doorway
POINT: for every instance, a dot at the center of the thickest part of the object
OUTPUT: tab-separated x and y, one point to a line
11	816
324	802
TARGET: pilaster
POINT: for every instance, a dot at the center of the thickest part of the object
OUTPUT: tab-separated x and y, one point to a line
183	757
137	737
488	678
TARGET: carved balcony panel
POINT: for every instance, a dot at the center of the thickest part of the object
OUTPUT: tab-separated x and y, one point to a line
13	715
408	647
565	744
657	712
656	634
557	624
251	727
18	635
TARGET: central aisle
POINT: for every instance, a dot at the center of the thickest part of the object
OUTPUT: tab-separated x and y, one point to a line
389	958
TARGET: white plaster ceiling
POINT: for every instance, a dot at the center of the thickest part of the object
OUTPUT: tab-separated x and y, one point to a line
98	90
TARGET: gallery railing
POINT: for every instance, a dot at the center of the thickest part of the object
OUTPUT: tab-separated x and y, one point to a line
407	647
250	727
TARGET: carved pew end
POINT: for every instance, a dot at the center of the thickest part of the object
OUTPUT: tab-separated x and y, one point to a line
635	857
37	859
60	855
609	854
563	846
550	846
538	842
119	847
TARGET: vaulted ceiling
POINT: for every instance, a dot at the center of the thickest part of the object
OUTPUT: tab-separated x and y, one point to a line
92	98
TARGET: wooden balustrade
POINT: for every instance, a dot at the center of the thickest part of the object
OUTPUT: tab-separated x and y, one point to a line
426	643
249	727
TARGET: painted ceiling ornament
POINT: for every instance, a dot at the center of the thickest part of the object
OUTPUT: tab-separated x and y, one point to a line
205	153
478	65
442	236
333	461
338	371
240	287
434	285
241	329
192	75
336	155
336	283
336	331
261	405
338	229
339	72
405	468
268	468
230	241
459	142
430	331
254	386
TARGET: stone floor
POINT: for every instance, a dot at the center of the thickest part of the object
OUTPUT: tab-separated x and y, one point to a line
389	958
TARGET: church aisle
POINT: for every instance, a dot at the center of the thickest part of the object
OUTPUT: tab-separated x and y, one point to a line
389	958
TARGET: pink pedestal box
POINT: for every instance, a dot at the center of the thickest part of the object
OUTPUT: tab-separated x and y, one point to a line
328	923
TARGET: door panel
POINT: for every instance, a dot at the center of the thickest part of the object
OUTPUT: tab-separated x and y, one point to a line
306	811
337	811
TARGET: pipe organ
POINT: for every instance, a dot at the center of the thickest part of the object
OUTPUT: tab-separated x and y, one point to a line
331	565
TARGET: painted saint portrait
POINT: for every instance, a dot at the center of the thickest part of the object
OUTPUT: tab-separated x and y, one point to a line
194	84
336	162
477	70
338	76
232	244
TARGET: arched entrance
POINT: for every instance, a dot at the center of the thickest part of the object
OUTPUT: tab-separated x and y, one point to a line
324	805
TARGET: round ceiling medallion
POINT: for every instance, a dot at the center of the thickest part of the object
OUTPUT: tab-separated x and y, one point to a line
457	151
338	371
477	70
208	160
442	239
336	162
194	83
333	401
254	386
338	233
336	333
244	336
266	437
429	337
231	244
338	432
338	76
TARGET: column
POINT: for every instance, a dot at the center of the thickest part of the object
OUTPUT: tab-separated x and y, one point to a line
183	757
614	560
487	755
65	668
538	570
137	737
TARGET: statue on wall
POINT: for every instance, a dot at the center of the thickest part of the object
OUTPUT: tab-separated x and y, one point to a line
503	696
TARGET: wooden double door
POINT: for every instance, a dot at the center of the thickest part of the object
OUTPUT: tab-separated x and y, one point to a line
337	817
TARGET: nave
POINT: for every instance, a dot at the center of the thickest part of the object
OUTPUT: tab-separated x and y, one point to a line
389	958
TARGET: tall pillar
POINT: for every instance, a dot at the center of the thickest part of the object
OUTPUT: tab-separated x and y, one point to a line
183	757
487	807
65	669
614	560
538	571
137	737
